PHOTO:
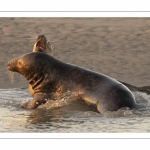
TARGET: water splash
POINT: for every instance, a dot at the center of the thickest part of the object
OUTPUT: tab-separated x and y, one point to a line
64	100
139	96
122	112
64	116
143	100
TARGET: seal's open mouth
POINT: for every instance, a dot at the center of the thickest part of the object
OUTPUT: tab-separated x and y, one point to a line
41	45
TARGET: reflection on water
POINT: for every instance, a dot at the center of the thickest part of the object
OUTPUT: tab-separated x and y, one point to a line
68	115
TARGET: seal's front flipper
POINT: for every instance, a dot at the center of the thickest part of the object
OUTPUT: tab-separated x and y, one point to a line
144	89
38	100
30	105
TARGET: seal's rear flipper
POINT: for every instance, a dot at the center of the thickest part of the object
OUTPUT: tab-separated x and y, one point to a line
144	89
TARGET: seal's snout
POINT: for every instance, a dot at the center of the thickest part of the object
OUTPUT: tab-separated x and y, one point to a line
9	65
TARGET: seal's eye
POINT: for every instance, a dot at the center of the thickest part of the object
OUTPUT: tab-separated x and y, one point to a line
19	63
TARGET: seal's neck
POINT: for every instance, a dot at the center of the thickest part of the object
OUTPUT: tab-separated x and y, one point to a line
35	79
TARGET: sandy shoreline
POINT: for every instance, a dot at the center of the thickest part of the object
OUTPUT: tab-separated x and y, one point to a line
117	47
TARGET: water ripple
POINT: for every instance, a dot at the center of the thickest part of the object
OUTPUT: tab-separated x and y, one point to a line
63	116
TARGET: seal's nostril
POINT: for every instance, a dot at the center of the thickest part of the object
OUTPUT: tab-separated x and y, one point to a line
8	64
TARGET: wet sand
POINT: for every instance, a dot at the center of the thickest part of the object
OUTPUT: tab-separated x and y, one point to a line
117	47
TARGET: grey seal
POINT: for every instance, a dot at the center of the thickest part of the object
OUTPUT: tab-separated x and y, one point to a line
50	78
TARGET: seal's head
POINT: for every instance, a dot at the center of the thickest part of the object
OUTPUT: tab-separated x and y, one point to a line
29	64
37	68
42	45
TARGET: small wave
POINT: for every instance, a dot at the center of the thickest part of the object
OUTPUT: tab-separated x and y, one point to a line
143	100
123	112
65	100
67	103
13	97
139	96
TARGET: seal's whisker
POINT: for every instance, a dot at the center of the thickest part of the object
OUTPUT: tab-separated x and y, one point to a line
22	53
55	41
11	76
31	40
24	50
52	41
33	35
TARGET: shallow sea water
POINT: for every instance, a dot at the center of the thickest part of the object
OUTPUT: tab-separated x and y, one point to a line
68	115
